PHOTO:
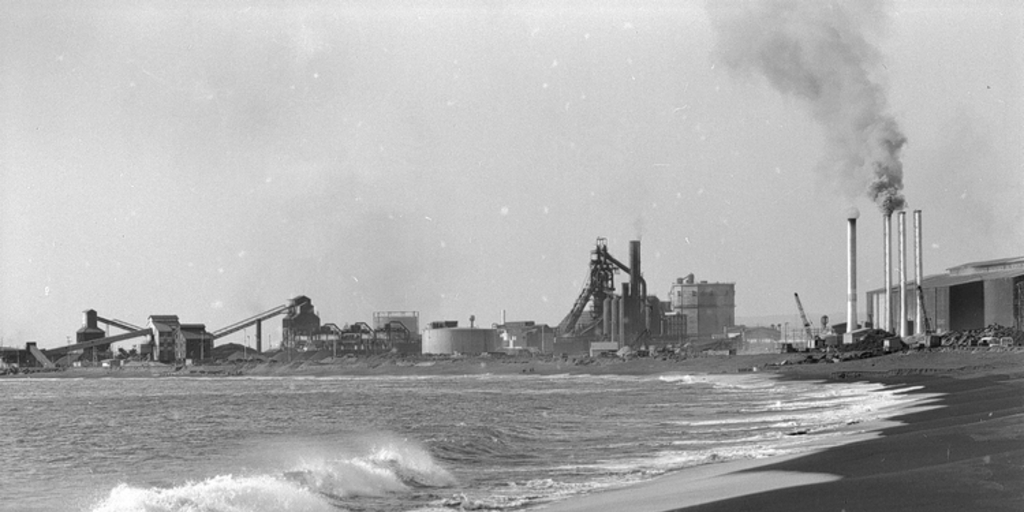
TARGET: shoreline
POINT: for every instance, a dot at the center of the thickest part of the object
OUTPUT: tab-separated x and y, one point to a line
963	450
967	454
950	362
689	488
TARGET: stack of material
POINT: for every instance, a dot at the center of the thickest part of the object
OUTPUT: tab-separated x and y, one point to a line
991	335
873	341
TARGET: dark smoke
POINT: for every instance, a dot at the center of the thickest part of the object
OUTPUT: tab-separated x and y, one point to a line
818	52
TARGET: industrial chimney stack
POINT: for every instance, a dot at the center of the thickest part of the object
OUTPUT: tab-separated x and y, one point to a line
918	275
851	269
886	316
902	310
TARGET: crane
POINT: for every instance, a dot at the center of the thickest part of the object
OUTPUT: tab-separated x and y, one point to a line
924	312
803	318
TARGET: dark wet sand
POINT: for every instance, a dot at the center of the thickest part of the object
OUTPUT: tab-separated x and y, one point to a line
966	455
963	450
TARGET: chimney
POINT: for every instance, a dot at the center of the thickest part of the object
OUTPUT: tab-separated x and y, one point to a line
918	275
634	267
851	269
902	225
886	314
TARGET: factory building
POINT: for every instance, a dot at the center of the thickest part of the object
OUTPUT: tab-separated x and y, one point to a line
301	324
526	335
192	342
396	320
969	296
633	317
89	331
708	308
175	342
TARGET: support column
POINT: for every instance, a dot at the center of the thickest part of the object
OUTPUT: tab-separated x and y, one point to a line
259	336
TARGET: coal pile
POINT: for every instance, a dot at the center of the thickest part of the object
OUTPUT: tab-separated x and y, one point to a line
993	335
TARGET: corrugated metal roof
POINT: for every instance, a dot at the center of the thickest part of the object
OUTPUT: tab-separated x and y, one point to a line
946	280
988	263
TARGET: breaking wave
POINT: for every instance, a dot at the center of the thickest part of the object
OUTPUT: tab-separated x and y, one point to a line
384	466
225	492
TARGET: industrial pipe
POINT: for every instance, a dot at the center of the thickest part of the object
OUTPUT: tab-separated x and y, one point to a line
613	331
623	318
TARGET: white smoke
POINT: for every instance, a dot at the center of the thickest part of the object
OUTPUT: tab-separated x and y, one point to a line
819	52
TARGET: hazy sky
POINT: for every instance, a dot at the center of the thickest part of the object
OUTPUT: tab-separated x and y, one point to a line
213	159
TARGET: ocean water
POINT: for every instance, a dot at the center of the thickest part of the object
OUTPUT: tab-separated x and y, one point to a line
179	444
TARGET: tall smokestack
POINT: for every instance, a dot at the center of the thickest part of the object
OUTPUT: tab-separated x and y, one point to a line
918	275
851	269
886	316
634	267
902	224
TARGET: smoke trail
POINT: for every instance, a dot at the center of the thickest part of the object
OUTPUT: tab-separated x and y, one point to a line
817	51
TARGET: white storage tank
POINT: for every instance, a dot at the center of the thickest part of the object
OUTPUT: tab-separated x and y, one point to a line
463	340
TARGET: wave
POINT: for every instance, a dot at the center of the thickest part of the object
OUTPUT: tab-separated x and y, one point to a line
388	466
383	465
225	492
721	381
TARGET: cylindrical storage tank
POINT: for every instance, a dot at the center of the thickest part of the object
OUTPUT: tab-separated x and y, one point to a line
463	340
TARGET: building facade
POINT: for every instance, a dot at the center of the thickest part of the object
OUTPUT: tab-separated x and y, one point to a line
709	308
969	296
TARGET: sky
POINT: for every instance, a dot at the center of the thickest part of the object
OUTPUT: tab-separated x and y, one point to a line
213	159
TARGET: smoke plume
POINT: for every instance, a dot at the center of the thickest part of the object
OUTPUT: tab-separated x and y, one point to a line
819	52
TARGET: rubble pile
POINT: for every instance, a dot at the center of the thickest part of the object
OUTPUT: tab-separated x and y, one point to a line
873	341
989	336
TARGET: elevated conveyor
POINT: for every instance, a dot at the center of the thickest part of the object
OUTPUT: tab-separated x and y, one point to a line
120	324
253	320
38	354
60	351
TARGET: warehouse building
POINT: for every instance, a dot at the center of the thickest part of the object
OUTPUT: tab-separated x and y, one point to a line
969	296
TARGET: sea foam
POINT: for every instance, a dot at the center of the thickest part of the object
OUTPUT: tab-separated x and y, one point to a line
225	492
377	465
